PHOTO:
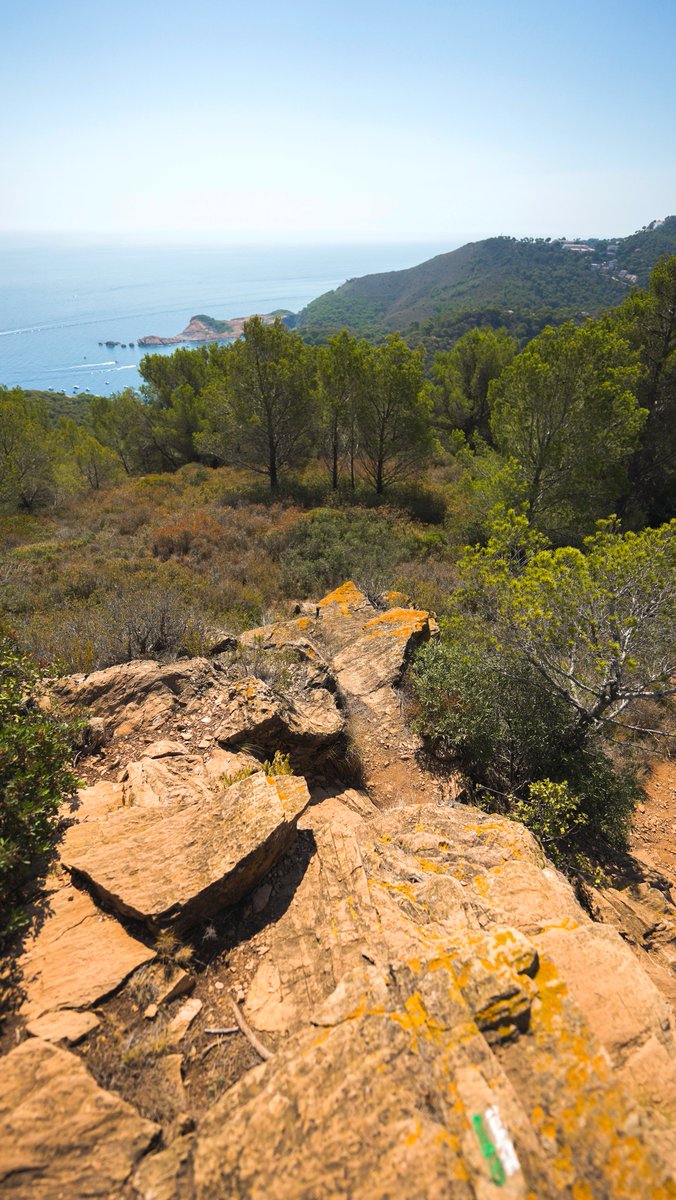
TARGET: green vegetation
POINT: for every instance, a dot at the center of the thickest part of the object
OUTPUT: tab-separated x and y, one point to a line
35	751
546	656
261	415
566	412
523	285
59	404
213	323
329	546
243	478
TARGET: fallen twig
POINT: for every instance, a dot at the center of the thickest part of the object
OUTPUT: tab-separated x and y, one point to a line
209	1048
248	1031
229	1029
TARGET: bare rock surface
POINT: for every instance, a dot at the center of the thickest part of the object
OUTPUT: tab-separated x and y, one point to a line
442	1017
63	1025
253	712
429	1012
75	954
395	1092
365	652
134	695
61	1134
171	863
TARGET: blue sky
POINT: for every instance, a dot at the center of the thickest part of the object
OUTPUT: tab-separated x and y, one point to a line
363	120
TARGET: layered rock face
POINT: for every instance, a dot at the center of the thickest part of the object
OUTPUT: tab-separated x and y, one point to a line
432	1012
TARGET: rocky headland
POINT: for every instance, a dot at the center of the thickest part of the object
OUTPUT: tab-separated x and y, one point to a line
278	957
204	329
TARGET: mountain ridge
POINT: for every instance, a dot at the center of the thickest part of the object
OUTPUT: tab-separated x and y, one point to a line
555	278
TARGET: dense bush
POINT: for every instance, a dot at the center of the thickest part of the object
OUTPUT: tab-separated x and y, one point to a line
196	534
518	745
329	546
137	621
35	749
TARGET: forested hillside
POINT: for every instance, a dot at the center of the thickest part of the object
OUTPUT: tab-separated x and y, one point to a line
500	281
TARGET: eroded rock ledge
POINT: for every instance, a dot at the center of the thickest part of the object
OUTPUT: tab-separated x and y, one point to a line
443	1019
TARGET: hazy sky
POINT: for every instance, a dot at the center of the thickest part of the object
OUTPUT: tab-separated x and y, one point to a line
359	119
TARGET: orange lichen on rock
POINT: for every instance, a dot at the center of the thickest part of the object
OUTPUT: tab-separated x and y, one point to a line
346	597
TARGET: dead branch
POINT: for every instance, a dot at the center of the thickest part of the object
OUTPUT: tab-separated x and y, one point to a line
248	1031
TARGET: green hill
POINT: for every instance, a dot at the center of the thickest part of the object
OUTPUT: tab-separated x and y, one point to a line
502	280
58	404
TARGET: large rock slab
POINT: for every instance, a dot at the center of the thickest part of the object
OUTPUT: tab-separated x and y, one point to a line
368	652
75	954
64	1025
395	1092
136	695
455	887
178	863
362	653
61	1135
252	712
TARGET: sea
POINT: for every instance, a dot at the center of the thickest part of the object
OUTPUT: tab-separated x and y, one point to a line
62	299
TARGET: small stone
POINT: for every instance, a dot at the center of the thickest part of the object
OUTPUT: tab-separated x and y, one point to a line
219	986
65	1025
184	1018
177	984
151	1012
261	897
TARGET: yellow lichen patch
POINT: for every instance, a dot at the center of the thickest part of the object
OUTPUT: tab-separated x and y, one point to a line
414	1135
480	883
401	623
404	889
322	1037
431	867
416	1021
345	597
302	622
585	1098
582	1191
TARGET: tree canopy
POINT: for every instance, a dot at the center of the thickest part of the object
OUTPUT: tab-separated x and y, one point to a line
566	411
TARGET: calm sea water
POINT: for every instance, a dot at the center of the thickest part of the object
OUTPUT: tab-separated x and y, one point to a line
59	299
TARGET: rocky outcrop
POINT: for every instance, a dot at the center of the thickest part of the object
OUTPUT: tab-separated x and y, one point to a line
203	329
61	1134
74	955
137	695
253	712
436	1013
440	981
176	862
364	652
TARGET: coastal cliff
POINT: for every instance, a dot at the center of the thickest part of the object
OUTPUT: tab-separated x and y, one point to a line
202	328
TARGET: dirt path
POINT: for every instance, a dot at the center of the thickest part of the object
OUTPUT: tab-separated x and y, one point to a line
653	838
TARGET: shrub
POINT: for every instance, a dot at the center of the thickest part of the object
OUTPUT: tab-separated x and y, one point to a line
329	546
35	748
196	534
270	663
551	811
280	764
143	620
517	743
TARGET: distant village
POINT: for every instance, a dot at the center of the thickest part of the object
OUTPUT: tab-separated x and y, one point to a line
608	264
